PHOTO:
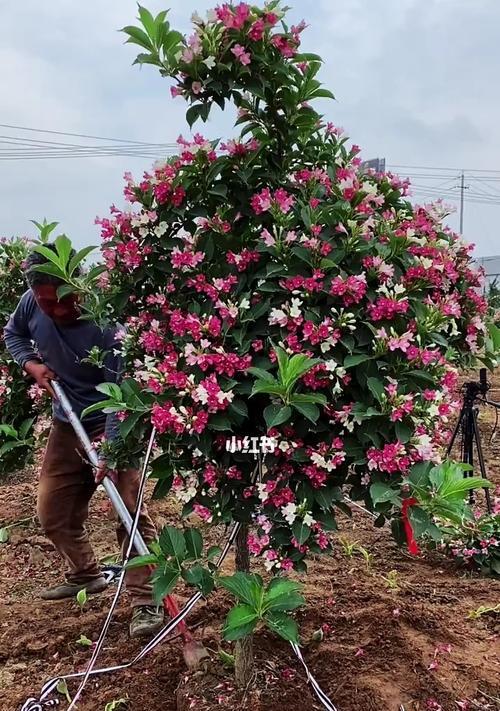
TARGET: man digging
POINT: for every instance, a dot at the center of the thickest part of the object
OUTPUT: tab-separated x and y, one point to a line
46	338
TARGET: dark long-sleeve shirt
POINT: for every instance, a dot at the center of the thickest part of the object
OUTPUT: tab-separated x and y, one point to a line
32	335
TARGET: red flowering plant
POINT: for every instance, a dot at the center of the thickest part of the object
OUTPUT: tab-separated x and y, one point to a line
271	287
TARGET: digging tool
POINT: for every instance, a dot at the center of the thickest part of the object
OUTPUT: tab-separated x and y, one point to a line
194	652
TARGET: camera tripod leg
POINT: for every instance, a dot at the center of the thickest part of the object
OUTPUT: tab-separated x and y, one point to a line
455	432
480	456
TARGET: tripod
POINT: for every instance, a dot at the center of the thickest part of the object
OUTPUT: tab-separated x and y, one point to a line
467	424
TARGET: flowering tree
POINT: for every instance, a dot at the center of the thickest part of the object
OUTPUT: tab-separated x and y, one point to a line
271	286
18	400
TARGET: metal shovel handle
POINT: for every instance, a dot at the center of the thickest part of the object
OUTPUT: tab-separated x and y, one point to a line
111	490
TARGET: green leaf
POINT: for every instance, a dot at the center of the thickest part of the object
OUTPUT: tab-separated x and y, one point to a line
194	543
81	597
240	407
128	424
65	290
139	561
4	535
246	587
78	258
49	255
172	543
282	595
138	36
51	269
301	531
310	411
267	388
326	495
316	398
8	431
353	360
164	582
112	390
98	407
403	432
262	375
148	21
84	641
240	622
275	415
64	249
193	575
193	114
283	625
381	492
226	659
376	387
220	423
213	552
62	688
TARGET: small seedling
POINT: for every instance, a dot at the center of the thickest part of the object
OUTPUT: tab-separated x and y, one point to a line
116	703
81	598
4	535
483	610
392	580
62	688
348	548
351	548
226	659
84	641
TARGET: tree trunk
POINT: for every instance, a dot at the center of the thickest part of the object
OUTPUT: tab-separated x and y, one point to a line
243	652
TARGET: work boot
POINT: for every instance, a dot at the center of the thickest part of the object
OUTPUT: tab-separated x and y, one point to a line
64	590
146	621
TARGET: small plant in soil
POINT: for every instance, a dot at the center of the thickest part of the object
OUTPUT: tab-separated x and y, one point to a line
81	598
84	641
116	704
392	580
483	610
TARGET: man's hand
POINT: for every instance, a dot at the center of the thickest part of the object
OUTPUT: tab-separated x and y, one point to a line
102	471
42	375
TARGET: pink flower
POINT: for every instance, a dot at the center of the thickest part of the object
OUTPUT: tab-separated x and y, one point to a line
176	91
241	54
196	87
283	200
256	32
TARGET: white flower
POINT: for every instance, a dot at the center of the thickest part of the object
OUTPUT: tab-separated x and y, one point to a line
278	317
295	308
309	520
211	16
210	62
161	229
262	493
290	513
244	304
196	18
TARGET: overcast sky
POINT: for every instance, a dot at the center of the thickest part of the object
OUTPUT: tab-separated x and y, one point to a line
415	82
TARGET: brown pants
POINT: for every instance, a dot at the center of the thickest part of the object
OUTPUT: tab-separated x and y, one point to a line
65	488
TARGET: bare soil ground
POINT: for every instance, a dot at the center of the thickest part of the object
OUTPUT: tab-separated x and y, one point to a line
392	639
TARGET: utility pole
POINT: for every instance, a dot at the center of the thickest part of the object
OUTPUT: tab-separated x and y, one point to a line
462	194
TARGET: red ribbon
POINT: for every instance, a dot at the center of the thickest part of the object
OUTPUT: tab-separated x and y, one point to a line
412	544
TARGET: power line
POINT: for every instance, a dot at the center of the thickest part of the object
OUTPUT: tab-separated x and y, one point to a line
76	135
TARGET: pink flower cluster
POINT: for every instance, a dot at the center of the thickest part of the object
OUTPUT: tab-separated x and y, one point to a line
265	201
352	289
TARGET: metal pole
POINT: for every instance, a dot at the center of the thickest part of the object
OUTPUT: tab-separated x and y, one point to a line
111	490
462	191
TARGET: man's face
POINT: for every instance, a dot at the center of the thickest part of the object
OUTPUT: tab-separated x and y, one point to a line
63	311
